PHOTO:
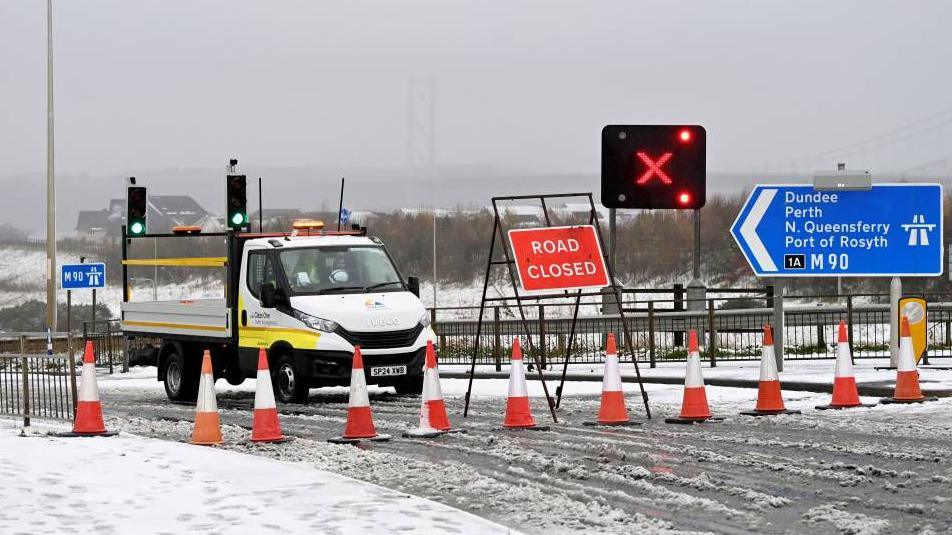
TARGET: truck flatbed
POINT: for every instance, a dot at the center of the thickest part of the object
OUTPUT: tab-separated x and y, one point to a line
206	318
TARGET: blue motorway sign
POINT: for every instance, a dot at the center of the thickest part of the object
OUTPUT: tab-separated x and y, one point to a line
797	231
344	216
83	276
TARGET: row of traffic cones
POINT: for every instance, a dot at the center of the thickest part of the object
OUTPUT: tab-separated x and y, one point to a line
265	426
694	406
434	421
207	428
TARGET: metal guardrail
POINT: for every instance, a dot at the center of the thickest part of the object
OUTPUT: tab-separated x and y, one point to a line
658	333
37	385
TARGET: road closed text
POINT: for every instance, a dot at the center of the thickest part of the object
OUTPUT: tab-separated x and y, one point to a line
567	269
558	258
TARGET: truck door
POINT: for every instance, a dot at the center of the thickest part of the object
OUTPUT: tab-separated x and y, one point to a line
253	320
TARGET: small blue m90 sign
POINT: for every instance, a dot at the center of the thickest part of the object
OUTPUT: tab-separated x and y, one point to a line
83	276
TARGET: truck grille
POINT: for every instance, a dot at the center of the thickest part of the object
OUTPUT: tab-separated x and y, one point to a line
381	339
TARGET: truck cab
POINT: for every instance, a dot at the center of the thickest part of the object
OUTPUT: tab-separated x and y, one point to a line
310	299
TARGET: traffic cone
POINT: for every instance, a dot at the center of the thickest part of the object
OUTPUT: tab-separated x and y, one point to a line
433	419
88	421
518	411
769	399
845	393
907	377
207	430
694	404
360	422
612	410
265	426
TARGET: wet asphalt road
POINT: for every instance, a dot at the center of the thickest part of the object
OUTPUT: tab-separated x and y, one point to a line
866	471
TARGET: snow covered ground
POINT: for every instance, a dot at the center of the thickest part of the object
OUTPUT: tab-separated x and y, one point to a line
875	471
131	484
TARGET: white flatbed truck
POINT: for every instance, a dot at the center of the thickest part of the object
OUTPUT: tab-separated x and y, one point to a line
309	297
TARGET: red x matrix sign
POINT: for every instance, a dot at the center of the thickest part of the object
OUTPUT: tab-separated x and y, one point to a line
558	258
654	166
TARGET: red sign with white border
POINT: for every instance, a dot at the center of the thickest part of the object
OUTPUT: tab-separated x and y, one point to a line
558	258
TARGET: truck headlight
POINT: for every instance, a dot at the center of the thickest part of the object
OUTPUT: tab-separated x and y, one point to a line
425	319
314	322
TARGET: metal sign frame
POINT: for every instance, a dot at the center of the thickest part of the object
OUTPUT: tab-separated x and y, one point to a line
500	231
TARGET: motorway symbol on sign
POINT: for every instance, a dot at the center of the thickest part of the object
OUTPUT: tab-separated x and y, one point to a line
344	216
795	230
558	258
83	276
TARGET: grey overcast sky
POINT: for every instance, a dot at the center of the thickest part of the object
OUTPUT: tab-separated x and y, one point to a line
521	84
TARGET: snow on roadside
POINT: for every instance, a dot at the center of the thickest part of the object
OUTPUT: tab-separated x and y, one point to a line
131	484
845	522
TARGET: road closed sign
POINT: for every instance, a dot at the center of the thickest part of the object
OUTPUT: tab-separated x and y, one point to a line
558	258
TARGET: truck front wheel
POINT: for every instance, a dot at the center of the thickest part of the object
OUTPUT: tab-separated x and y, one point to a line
289	385
181	380
411	386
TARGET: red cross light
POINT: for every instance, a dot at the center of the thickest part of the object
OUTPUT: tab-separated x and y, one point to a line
654	168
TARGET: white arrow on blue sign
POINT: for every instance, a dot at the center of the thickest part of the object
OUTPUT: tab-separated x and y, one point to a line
797	231
83	276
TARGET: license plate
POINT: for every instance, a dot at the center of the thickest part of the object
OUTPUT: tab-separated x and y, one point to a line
384	371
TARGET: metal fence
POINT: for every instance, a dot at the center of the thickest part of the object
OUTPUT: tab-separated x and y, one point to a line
34	384
108	343
658	326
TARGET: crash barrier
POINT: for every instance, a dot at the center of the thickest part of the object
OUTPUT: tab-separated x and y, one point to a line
34	384
658	329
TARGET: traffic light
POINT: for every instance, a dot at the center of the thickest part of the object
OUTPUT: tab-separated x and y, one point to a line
654	166
135	210
237	202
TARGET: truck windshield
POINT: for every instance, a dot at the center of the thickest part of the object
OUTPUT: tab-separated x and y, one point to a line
339	269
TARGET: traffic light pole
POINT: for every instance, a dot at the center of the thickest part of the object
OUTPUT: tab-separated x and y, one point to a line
125	268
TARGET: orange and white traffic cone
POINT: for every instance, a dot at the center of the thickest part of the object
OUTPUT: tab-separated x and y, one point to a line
769	398
907	376
88	421
694	403
360	422
265	426
845	393
612	410
207	430
433	418
518	411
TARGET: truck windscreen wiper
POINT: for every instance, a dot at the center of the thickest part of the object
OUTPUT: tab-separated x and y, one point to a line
381	284
336	289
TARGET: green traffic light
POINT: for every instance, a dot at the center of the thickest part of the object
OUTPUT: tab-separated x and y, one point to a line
237	219
137	227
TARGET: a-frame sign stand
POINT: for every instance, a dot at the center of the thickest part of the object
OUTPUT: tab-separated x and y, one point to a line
500	231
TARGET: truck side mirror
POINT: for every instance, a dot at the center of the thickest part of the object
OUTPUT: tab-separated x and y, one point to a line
268	295
413	284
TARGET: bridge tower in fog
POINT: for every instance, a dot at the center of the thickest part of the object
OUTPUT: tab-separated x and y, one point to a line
421	129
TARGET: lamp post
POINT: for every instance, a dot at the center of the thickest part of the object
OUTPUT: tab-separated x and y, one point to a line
50	183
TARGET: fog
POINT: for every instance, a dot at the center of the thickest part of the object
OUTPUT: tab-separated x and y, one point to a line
304	92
